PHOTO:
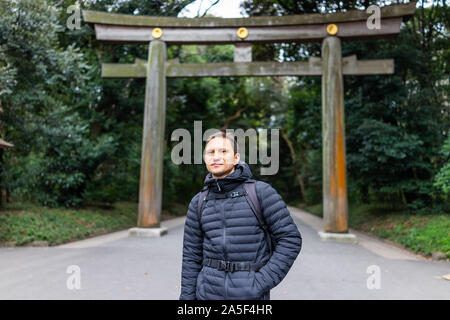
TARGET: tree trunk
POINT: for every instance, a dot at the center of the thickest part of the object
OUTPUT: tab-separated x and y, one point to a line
294	166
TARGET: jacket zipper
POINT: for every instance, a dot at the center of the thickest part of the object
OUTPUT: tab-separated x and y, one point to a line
224	246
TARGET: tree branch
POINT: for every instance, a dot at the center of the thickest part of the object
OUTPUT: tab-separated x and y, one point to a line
199	7
231	118
212	5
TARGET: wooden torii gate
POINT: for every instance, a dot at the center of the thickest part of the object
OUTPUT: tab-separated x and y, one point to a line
330	29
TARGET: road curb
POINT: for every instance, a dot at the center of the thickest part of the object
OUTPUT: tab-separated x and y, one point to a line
382	247
113	236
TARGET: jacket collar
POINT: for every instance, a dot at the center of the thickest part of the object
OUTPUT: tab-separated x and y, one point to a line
240	174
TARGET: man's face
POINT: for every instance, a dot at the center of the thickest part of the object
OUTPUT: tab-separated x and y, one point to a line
219	157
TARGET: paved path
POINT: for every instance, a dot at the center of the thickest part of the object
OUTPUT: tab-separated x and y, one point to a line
116	266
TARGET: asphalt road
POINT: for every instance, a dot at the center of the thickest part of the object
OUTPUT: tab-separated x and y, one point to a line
120	267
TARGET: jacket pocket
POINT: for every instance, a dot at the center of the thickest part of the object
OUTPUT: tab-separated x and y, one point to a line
200	288
255	284
245	287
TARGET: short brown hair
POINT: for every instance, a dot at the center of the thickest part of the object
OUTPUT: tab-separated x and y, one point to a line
223	134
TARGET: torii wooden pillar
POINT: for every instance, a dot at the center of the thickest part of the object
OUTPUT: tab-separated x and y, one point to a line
242	32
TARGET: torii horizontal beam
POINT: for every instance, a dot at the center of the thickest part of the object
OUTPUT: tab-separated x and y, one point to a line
98	17
313	67
295	28
301	33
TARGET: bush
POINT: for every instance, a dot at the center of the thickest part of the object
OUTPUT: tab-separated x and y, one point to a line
442	178
58	173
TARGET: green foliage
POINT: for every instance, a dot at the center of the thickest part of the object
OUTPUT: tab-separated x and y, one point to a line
56	156
424	238
424	233
68	157
442	178
394	123
27	223
78	137
385	151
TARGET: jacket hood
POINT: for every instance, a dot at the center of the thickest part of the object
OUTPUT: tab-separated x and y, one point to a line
241	173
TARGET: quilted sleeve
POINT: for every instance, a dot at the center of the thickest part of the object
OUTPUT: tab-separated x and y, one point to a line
192	252
284	230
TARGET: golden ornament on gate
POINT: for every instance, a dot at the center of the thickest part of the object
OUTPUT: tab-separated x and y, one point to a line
242	33
157	33
332	29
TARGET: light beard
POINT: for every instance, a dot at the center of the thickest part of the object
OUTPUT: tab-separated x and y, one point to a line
223	174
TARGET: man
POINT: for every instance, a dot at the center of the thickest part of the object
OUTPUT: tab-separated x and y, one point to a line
226	254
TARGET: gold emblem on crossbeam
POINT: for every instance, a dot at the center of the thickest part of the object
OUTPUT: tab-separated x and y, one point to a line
332	29
242	33
157	33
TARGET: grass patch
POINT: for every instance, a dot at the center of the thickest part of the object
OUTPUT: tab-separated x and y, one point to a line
421	232
23	223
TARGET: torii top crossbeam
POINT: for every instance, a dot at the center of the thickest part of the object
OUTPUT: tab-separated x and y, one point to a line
292	28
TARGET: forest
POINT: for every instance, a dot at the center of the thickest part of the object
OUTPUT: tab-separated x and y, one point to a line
77	136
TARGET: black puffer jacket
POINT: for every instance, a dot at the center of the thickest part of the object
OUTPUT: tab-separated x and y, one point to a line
232	233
